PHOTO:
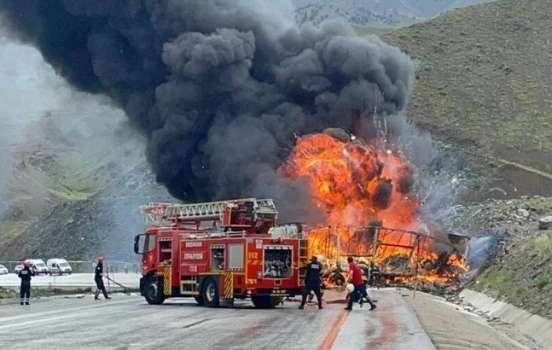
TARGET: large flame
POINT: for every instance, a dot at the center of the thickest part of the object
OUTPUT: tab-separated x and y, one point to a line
360	187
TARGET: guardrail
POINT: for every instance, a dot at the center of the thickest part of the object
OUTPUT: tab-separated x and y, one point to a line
87	266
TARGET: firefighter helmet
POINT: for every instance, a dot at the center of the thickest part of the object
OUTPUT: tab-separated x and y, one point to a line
350	288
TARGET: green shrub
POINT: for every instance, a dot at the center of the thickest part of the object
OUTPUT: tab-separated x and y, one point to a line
496	280
541	281
521	292
543	244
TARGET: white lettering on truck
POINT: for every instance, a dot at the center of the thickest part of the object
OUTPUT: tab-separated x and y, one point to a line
193	256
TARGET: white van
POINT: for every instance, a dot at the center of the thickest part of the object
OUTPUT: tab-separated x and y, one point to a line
59	267
38	266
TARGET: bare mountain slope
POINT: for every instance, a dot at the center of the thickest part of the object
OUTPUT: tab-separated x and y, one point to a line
73	172
484	81
70	197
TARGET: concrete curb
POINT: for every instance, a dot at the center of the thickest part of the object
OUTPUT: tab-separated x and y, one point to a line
530	325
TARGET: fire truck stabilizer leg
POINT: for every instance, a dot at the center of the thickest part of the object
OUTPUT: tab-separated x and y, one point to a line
210	293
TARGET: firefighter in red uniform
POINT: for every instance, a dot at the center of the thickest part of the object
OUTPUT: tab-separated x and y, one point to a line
312	282
355	277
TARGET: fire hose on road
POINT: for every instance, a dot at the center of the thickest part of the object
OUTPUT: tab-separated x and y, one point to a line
126	289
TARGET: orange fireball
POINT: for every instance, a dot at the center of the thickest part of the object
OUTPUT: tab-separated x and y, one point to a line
357	185
352	182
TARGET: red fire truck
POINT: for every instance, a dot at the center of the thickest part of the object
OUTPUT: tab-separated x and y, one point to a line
219	251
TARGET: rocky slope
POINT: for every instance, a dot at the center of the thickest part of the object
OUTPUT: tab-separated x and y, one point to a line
520	267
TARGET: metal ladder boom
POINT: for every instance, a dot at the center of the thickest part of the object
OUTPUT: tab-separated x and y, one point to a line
159	212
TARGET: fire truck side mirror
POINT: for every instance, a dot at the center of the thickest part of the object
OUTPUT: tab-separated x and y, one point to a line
139	241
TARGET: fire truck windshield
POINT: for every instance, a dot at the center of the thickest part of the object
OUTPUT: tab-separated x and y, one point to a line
144	243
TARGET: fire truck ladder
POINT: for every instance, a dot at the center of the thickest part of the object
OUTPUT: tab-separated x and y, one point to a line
158	213
303	261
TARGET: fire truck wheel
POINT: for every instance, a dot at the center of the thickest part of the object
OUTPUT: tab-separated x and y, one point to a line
210	293
265	302
153	291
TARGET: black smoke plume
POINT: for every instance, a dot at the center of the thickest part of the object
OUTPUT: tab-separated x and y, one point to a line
220	88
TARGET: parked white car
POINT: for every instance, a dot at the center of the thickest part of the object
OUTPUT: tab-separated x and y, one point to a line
18	268
38	266
59	267
3	270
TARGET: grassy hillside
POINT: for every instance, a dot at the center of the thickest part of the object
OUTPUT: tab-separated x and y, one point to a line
484	82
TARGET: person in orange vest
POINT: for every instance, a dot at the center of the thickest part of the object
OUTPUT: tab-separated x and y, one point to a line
98	278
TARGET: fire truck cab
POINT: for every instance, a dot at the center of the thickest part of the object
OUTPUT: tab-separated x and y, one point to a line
219	251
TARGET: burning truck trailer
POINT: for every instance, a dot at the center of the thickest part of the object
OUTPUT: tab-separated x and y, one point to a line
394	257
435	263
366	190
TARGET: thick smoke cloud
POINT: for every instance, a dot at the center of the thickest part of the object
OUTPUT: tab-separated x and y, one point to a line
220	88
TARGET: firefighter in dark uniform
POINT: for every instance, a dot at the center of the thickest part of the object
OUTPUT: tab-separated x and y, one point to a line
25	290
312	282
98	278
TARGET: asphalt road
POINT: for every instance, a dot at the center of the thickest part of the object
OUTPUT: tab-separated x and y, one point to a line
127	322
76	280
